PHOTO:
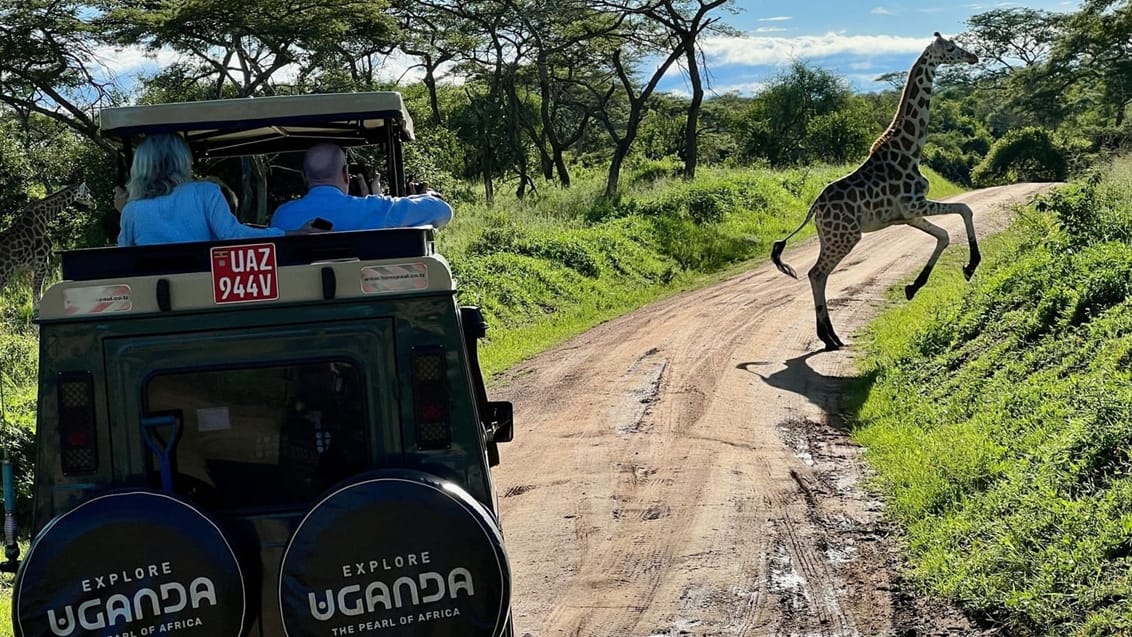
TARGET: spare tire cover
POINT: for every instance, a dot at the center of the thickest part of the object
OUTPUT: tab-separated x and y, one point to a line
130	563
396	553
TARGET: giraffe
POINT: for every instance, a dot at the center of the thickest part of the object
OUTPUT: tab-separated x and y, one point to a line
27	243
886	189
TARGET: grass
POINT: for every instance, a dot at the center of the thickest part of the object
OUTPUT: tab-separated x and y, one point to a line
998	417
549	267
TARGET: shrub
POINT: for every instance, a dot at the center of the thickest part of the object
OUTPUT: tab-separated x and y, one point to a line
1024	154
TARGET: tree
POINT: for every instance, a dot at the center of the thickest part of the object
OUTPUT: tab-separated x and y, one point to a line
1096	53
780	118
245	47
1014	47
48	64
686	20
1007	40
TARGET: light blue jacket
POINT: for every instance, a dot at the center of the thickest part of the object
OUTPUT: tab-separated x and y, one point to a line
194	211
348	212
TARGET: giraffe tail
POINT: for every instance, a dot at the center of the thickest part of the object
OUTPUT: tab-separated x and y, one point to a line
776	257
780	245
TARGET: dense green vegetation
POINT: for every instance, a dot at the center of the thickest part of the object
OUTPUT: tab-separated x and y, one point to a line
548	269
998	415
514	96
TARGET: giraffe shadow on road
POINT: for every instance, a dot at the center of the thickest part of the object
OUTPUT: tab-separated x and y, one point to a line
839	396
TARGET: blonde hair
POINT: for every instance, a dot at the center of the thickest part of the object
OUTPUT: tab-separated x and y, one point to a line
161	163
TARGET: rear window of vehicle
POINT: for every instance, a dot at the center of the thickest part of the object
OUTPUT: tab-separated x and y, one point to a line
263	436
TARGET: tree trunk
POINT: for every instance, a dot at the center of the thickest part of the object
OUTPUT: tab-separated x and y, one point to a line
433	101
619	154
560	166
691	139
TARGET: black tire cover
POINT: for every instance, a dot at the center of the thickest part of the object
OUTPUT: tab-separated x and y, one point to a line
396	553
130	563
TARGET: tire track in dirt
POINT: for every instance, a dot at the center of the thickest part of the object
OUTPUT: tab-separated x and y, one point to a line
680	470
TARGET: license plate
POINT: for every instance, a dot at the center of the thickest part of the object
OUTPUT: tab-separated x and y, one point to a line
244	273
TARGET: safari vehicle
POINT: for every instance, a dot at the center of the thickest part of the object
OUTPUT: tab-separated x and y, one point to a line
284	437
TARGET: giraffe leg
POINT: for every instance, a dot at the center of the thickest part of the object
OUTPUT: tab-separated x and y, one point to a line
941	241
831	253
934	208
38	276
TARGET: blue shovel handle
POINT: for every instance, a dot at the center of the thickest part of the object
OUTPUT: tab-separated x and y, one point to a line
164	452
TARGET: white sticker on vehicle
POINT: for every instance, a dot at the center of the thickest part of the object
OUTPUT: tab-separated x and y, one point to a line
398	277
100	299
213	419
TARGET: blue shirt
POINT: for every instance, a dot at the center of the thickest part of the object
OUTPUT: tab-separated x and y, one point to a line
194	211
348	212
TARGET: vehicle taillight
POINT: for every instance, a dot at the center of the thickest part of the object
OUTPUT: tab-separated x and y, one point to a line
78	447
430	398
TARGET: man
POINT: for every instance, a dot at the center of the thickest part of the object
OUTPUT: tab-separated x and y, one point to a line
328	184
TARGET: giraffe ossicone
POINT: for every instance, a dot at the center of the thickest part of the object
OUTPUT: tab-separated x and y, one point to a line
26	244
886	189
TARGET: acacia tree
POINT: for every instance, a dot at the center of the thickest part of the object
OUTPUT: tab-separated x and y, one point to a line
1007	40
687	20
49	65
1096	53
245	47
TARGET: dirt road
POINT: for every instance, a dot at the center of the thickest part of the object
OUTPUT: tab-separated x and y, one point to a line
681	471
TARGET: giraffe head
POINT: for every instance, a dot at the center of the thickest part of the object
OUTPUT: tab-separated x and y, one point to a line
83	197
944	51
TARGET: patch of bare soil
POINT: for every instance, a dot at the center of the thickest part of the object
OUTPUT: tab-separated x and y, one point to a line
682	470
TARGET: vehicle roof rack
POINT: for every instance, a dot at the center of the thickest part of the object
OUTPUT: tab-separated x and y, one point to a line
179	258
255	125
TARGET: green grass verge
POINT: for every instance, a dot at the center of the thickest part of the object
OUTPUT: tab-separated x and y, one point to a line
551	267
998	417
547	268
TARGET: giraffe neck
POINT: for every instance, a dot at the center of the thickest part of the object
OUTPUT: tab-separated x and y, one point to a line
910	125
38	212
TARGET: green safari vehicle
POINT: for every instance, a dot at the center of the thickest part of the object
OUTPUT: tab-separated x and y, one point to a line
265	437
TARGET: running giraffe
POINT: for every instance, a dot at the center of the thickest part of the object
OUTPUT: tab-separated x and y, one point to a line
26	244
886	189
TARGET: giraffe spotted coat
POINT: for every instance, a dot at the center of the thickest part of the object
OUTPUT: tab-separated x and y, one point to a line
886	189
26	244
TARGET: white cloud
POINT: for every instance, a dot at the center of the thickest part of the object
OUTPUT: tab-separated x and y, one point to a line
780	18
763	50
126	63
742	88
880	11
770	30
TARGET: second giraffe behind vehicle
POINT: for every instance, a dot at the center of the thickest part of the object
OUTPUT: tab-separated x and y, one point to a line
886	189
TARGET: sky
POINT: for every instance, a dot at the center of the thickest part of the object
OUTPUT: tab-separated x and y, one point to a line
857	40
854	39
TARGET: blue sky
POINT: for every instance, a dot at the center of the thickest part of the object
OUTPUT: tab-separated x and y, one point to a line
856	40
853	39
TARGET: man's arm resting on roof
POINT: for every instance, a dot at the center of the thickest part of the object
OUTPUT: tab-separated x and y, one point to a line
225	225
416	210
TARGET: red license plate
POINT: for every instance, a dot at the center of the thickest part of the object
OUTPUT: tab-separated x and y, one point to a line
244	273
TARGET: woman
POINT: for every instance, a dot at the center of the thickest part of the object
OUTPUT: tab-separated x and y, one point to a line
165	205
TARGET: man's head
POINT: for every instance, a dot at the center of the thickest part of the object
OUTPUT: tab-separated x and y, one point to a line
325	165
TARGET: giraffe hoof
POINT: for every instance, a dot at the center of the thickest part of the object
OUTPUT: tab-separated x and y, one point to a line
968	271
910	291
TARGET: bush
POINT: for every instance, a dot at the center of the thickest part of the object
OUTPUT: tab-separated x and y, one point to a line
1024	154
951	163
1089	212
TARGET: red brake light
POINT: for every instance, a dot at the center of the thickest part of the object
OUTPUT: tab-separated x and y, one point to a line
430	398
78	450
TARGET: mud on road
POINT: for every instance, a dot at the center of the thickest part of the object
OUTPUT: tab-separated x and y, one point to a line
682	470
